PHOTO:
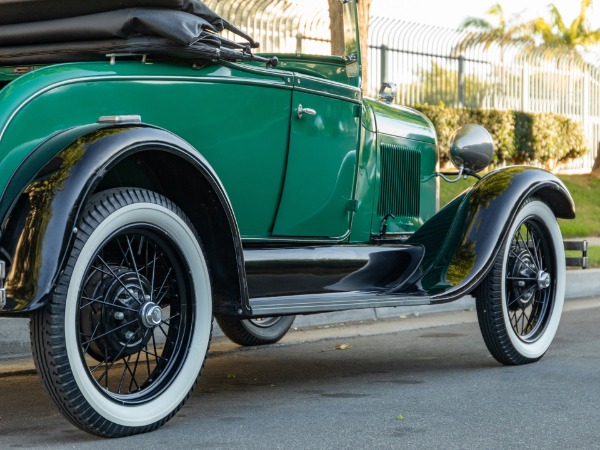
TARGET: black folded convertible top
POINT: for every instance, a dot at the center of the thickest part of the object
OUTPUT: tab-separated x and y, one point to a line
48	31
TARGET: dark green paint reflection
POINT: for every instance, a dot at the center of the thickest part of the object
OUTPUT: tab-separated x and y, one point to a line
461	231
38	201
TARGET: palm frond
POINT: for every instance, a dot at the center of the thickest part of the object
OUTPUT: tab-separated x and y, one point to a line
496	10
476	23
543	28
556	18
589	39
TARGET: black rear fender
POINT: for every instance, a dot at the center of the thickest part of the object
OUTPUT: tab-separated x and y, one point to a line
38	230
462	240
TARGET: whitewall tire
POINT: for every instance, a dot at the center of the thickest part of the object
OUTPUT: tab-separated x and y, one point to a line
122	341
520	302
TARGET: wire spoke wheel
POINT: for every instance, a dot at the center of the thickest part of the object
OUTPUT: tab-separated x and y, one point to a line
529	287
123	339
134	315
520	302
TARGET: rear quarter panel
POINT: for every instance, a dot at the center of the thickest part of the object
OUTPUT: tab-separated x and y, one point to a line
239	120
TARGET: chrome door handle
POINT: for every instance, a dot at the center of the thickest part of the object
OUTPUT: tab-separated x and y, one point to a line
307	111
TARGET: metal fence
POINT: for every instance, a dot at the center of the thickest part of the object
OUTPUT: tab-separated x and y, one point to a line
280	26
435	65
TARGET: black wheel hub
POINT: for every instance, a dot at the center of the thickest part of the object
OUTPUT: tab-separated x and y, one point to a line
523	268
127	309
529	279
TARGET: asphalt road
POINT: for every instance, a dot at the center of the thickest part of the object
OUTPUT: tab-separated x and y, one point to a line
426	383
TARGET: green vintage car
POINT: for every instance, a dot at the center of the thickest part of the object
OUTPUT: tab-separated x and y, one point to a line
160	167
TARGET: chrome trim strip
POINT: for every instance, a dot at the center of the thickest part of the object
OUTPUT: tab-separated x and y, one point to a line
2	290
120	119
302	304
297	240
328	94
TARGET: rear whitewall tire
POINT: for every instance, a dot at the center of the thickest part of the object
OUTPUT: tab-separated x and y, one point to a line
89	406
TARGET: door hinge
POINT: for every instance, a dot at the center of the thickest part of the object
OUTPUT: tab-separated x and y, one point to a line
358	112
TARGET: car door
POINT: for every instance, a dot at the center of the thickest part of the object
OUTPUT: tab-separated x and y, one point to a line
321	166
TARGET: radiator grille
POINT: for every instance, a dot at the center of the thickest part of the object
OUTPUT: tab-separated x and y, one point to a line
400	191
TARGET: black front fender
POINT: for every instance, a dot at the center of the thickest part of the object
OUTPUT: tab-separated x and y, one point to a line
462	240
38	230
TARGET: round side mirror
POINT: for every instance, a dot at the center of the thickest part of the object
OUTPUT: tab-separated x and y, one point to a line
472	148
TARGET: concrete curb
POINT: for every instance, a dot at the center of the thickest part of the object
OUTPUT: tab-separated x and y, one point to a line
14	333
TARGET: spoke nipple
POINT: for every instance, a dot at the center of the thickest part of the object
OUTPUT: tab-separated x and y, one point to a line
129	335
119	315
520	283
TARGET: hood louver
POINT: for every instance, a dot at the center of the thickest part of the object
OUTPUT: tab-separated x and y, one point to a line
400	191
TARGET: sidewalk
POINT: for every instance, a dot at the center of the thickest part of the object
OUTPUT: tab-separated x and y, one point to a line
14	333
592	241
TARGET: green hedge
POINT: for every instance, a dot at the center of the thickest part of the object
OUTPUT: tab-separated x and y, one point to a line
519	138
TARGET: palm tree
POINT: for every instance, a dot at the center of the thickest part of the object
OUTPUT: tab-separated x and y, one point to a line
498	29
556	34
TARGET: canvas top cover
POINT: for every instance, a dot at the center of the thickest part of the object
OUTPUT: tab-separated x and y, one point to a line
50	31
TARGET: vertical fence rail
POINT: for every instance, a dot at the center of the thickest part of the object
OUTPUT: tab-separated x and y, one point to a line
436	65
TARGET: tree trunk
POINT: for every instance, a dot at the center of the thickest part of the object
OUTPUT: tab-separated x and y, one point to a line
364	15
336	27
596	168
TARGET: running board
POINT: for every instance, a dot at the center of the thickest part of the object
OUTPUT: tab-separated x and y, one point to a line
577	246
319	303
318	272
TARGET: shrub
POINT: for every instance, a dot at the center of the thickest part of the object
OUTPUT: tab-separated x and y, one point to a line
519	138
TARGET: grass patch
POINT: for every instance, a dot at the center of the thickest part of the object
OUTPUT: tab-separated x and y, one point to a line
585	190
450	190
593	257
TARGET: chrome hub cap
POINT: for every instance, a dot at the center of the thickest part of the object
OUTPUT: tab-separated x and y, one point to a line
151	315
543	280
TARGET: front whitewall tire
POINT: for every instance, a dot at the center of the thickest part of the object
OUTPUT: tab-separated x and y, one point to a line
520	302
538	348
